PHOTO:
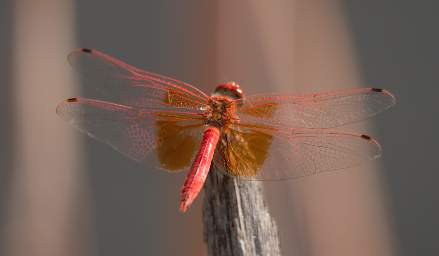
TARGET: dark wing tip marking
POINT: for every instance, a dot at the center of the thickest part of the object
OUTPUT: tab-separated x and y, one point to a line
366	137
87	50
72	100
387	93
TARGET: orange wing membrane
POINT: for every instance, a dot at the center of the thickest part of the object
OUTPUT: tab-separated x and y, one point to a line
136	133
242	153
268	154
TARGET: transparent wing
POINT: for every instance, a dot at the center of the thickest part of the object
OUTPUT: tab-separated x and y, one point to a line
271	154
165	139
115	81
318	110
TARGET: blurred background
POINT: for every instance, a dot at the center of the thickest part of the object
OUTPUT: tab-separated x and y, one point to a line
62	193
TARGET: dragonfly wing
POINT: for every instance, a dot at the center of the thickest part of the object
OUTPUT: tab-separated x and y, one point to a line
167	140
115	81
318	110
265	154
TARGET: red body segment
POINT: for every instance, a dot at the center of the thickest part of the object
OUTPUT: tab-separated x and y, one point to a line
200	168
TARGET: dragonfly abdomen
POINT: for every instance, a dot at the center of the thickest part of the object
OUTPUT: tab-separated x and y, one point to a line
200	167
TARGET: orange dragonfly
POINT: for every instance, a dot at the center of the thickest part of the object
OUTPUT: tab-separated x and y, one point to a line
172	125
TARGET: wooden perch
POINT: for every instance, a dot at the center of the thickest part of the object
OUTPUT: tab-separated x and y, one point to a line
236	219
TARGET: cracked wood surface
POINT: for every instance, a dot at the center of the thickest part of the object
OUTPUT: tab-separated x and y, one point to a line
236	218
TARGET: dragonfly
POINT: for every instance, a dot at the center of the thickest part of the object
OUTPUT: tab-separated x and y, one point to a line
172	125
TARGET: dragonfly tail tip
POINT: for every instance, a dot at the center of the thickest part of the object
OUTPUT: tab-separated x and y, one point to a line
183	207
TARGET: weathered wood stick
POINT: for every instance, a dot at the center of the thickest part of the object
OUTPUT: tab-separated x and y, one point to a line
236	219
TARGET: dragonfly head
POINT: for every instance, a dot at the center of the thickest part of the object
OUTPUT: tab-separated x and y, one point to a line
229	89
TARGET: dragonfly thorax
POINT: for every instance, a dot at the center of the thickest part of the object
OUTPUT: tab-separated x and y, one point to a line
221	112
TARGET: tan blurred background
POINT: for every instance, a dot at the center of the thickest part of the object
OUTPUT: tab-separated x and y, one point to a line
65	194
